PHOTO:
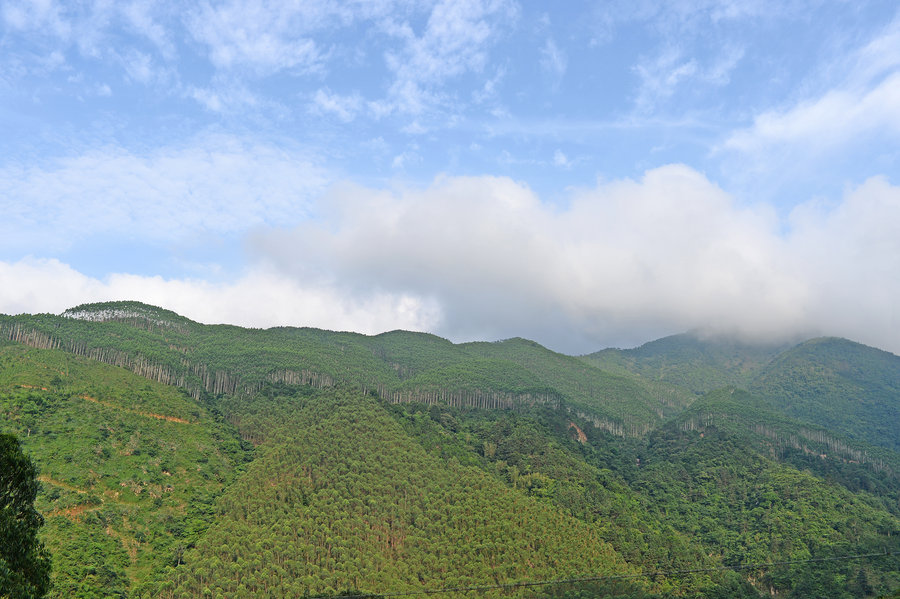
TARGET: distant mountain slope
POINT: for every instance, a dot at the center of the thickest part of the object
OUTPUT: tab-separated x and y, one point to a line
753	422
838	384
618	401
398	366
712	480
846	387
691	362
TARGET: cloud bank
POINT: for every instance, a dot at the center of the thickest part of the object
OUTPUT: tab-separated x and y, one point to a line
258	299
484	258
621	263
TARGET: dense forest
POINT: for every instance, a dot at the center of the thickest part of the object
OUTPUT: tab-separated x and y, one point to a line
177	459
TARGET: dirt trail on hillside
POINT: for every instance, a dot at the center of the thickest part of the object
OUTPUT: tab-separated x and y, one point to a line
73	513
138	412
61	484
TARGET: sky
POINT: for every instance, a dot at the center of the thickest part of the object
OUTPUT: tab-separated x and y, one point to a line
583	174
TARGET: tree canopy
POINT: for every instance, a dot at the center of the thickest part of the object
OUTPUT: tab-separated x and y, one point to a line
24	563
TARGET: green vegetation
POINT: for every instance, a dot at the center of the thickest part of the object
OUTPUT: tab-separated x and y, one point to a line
752	509
186	460
622	403
24	563
838	384
397	366
690	362
340	496
129	468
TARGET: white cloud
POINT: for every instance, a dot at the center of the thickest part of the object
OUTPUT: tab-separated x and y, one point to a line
263	37
625	261
224	97
862	102
270	36
485	258
139	16
101	32
344	108
560	159
680	18
553	61
407	157
258	299
876	58
662	76
850	253
455	41
838	117
218	185
141	68
37	15
490	90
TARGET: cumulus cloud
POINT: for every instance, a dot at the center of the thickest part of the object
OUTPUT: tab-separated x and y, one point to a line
621	263
850	254
485	258
218	185
258	299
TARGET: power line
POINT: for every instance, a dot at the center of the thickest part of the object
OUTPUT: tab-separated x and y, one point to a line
612	577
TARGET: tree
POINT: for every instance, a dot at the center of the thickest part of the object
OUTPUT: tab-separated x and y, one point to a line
24	563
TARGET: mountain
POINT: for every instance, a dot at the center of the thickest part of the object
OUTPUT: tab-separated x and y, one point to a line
838	384
181	460
342	496
130	468
699	364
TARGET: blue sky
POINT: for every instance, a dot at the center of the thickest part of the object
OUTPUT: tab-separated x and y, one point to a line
583	174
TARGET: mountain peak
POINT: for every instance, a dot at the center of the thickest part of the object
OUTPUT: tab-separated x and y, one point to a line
127	310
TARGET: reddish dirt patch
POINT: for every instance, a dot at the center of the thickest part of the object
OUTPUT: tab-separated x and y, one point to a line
163	417
61	484
579	434
73	513
138	412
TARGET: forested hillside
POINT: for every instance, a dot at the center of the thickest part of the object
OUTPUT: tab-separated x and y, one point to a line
187	460
130	468
838	384
690	362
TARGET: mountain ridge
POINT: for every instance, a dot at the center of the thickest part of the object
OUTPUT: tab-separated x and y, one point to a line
645	452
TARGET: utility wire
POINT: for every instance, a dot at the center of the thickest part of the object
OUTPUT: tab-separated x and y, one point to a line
611	577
